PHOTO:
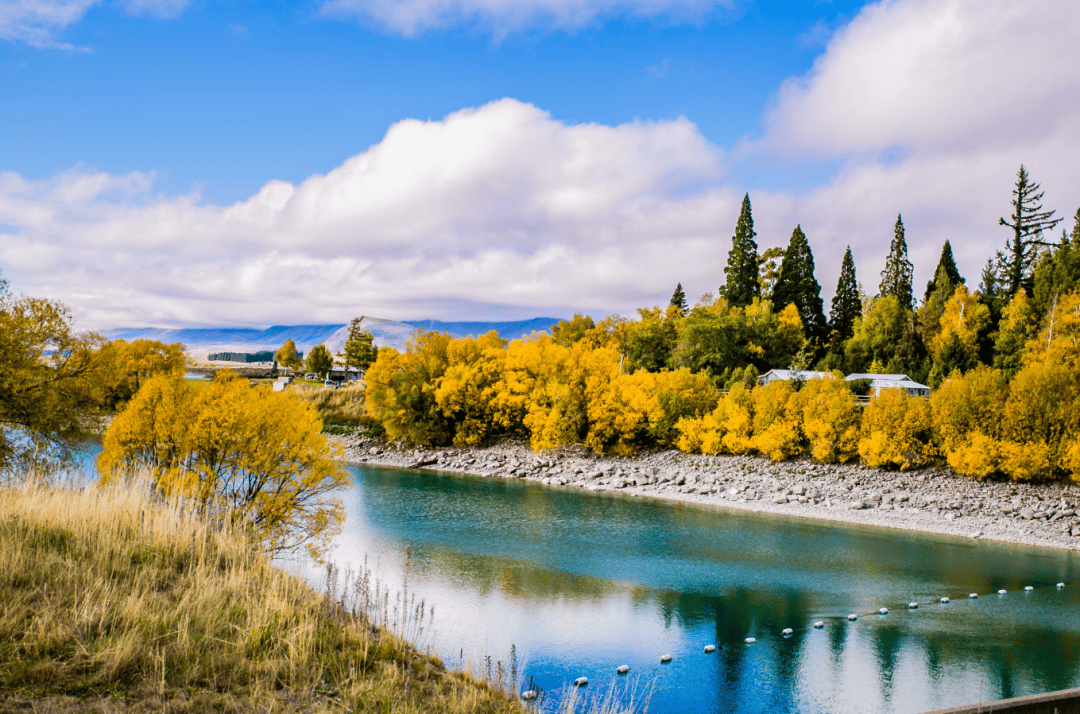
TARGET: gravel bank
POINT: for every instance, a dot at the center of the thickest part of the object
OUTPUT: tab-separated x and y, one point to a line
933	501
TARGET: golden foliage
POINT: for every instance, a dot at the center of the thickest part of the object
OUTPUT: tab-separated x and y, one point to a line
401	390
831	418
967	415
467	389
1059	340
124	366
777	419
895	431
964	316
248	455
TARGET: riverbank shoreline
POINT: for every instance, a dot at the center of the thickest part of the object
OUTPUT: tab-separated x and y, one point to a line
930	500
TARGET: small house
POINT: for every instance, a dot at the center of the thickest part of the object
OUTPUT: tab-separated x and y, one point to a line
892	381
338	373
786	375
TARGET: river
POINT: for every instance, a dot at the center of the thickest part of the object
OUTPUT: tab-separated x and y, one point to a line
580	583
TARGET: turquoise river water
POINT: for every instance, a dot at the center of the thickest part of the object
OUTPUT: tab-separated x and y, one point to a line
580	583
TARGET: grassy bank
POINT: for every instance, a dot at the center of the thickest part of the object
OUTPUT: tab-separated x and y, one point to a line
114	601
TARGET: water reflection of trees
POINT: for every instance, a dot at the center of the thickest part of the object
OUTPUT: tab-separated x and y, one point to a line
778	568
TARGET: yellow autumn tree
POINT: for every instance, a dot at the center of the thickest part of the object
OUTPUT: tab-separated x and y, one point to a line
1041	422
466	391
896	431
727	429
248	455
1059	340
124	366
830	419
966	413
620	415
401	387
777	421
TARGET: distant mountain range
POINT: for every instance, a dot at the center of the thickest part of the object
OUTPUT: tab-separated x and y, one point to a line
202	341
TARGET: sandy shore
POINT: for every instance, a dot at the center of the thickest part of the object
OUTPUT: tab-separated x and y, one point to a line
932	501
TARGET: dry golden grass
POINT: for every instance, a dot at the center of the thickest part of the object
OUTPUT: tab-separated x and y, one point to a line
341	406
116	602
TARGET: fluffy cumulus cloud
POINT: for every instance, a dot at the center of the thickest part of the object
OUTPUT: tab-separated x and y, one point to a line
926	108
38	22
496	206
410	17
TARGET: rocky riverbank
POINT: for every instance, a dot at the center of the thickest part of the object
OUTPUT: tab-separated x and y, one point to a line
934	501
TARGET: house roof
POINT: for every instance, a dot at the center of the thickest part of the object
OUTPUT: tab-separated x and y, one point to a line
886	377
794	374
896	384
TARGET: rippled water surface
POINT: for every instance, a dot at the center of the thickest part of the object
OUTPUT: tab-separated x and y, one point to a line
580	583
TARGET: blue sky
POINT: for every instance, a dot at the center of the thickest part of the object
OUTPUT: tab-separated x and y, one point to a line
175	162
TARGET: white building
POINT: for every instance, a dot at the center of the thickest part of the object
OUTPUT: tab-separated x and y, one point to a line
892	381
786	375
339	374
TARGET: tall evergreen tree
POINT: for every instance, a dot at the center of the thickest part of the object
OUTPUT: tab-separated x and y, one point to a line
1028	221
1058	271
797	286
846	303
947	264
678	300
897	276
741	283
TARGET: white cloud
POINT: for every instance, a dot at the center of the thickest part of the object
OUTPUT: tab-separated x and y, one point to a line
411	17
500	205
37	22
935	75
504	206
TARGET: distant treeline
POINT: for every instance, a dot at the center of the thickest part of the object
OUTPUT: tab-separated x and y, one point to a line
265	356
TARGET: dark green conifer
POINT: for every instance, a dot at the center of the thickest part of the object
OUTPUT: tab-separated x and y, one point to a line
1028	221
897	276
741	282
947	264
678	300
1058	271
846	304
797	286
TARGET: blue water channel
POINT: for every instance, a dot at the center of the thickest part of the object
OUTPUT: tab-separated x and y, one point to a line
579	583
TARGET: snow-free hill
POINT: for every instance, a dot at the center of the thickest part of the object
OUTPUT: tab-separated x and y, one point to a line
201	342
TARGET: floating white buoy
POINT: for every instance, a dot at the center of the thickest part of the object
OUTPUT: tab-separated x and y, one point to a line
665	658
787	632
750	640
853	617
1028	588
1061	585
710	648
913	606
944	601
581	681
883	611
1002	591
623	669
818	625
974	596
529	694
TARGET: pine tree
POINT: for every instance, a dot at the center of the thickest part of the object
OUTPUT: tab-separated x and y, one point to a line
846	303
742	285
797	286
947	264
1058	271
1029	220
678	300
897	276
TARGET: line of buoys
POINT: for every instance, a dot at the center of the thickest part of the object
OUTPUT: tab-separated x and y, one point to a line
786	632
